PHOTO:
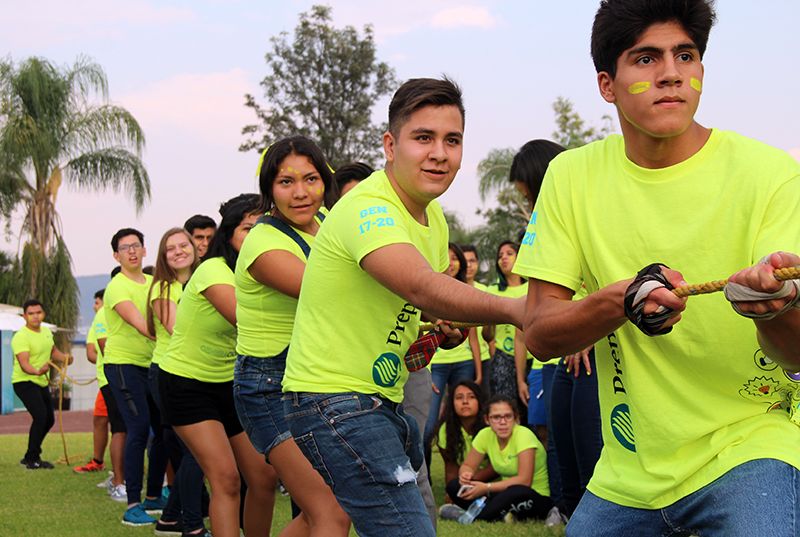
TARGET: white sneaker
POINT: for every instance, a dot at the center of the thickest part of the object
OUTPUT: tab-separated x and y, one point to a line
120	494
106	484
555	518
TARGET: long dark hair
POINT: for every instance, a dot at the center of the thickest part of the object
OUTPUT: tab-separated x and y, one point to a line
454	449
164	275
461	275
502	282
233	212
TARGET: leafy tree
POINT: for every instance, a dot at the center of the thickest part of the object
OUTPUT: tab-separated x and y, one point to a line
323	85
570	132
51	132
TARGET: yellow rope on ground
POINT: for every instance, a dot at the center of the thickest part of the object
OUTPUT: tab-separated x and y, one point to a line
783	274
62	374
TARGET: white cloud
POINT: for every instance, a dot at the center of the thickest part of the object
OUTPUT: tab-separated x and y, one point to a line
398	58
204	106
795	153
463	16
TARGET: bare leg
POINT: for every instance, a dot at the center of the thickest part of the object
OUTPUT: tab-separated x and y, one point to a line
209	445
100	436
307	488
118	457
261	484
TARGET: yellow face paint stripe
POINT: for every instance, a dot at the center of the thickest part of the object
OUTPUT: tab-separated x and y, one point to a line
638	87
696	84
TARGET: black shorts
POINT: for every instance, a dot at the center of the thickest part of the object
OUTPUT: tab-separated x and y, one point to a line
114	415
186	401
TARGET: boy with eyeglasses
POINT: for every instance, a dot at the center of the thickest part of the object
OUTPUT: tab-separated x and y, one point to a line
127	352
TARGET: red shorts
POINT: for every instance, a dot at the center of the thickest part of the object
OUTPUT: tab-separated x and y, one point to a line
100	408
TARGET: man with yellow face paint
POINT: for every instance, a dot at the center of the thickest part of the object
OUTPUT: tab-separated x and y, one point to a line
699	421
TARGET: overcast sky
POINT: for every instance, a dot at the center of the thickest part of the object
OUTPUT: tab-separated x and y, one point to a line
182	69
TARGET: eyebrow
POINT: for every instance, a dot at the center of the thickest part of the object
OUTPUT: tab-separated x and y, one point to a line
424	130
656	50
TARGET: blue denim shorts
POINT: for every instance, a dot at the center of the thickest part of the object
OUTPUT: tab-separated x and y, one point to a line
258	395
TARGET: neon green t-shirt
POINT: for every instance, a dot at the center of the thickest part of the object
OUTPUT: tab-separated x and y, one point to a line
98	331
505	333
484	344
264	316
203	344
39	345
173	293
461	353
504	461
351	333
124	344
679	410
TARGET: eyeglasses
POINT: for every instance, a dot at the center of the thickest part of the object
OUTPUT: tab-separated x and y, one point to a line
126	247
497	418
472	261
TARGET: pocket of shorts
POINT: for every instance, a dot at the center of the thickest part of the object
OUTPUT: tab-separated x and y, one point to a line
343	406
308	447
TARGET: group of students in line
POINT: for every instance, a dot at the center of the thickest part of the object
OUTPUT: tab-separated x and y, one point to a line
292	351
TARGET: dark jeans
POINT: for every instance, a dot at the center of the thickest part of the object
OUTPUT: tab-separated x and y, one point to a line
548	372
131	388
187	488
40	406
523	501
576	429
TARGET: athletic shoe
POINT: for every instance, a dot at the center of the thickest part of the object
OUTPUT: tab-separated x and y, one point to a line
38	465
90	466
202	533
119	494
106	484
169	530
156	506
136	516
23	462
555	518
450	512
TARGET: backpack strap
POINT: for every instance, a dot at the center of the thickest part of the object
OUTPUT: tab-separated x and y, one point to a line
288	230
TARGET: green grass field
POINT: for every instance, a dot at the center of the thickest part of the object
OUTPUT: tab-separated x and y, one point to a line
60	503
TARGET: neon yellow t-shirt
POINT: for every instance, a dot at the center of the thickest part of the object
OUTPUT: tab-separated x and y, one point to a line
98	331
203	344
678	410
264	316
124	344
39	345
461	353
505	333
173	293
484	344
504	461
351	333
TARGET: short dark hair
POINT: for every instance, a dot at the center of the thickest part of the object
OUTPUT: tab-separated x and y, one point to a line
469	248
353	171
233	212
619	24
124	232
100	294
419	92
199	221
31	302
116	270
277	152
530	164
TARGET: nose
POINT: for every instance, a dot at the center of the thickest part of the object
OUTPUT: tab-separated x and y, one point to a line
301	189
670	75
438	152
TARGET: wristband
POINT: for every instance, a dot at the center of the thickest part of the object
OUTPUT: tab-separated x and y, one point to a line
735	292
647	280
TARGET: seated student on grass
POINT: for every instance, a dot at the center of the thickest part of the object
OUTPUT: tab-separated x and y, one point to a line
698	399
295	182
33	349
516	455
195	382
378	261
462	419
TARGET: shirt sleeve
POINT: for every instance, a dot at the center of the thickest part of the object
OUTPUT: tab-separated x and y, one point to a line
368	223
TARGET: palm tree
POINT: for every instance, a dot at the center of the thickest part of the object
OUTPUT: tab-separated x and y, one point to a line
52	131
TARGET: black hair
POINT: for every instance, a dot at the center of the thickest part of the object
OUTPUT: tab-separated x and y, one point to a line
619	24
353	171
419	92
233	212
116	270
99	294
454	440
503	398
31	302
530	164
502	282
275	155
469	248
124	232
199	221
461	275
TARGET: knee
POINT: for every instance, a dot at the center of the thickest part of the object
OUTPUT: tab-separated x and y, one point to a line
226	482
452	488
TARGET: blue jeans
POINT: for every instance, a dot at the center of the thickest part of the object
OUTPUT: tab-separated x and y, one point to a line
576	429
758	497
445	375
537	409
368	451
258	396
131	387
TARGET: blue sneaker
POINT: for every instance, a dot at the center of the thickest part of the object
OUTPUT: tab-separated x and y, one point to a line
136	516
155	507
